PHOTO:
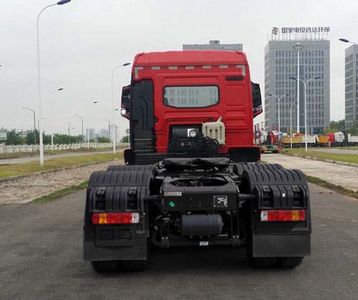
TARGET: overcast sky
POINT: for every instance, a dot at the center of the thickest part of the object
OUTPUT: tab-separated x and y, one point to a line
81	42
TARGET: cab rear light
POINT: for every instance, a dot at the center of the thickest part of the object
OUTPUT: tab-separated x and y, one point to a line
279	215
115	218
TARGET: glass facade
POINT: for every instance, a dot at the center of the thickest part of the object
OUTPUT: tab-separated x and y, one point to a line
351	86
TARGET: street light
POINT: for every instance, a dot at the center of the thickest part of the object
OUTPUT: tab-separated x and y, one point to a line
39	75
305	83
60	89
347	41
69	128
291	124
109	128
81	118
34	113
298	47
113	117
278	99
87	131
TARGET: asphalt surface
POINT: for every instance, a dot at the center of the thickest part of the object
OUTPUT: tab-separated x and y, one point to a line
21	160
41	258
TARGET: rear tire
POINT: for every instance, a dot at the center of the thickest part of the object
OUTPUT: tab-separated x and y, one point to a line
135	265
261	262
105	266
289	262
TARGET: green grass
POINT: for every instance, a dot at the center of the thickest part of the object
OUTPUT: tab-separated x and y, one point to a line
315	153
346	148
337	188
49	152
60	193
55	164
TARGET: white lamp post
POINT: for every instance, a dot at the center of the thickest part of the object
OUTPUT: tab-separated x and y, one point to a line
52	145
81	118
291	124
278	99
113	108
347	41
109	128
305	83
298	47
39	76
87	133
34	116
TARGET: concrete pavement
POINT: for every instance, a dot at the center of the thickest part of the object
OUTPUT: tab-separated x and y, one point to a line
41	258
27	188
345	176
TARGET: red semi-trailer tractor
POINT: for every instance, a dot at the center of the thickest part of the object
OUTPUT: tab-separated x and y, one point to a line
192	175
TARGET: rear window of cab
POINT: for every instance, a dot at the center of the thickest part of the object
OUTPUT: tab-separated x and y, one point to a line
191	96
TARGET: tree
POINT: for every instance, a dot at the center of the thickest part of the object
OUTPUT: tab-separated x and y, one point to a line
125	139
66	139
32	137
14	138
336	126
354	128
103	139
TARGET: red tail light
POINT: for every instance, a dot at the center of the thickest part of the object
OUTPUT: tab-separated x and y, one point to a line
283	215
115	218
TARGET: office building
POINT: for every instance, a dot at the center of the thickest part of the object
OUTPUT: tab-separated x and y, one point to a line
351	86
281	73
213	45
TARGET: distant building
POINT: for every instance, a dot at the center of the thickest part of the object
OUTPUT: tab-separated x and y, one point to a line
90	133
3	135
103	133
351	86
213	45
280	65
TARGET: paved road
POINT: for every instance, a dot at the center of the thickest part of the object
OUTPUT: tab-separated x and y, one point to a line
41	258
20	160
338	174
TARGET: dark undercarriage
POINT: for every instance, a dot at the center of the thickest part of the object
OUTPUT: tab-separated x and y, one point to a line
197	202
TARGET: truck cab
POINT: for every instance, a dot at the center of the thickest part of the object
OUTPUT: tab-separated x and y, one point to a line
178	99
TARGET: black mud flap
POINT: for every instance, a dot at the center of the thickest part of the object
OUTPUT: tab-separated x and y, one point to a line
120	190
281	245
135	249
277	188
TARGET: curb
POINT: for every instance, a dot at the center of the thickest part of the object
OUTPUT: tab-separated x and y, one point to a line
324	160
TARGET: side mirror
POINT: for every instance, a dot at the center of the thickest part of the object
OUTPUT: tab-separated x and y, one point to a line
256	99
126	101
